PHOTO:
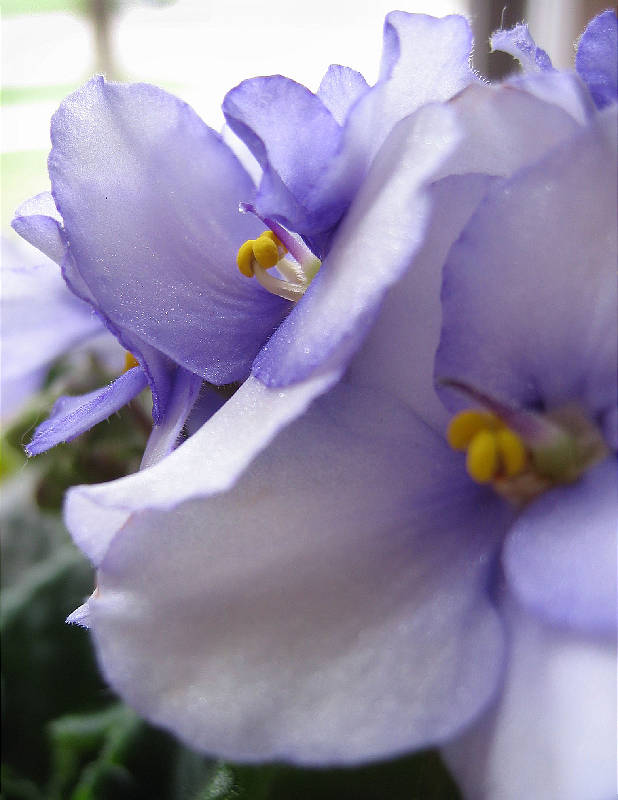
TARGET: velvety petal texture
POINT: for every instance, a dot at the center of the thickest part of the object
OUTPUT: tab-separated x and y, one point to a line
149	197
529	294
596	58
560	555
552	734
71	416
40	321
334	575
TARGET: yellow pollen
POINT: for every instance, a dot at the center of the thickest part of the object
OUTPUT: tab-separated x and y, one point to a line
130	361
465	425
266	252
274	238
512	452
245	257
482	461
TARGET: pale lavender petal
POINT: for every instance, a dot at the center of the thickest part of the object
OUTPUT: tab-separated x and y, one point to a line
38	222
72	416
518	43
149	196
552	735
380	235
329	608
529	295
505	128
209	462
563	89
560	555
294	137
340	89
596	58
398	354
164	436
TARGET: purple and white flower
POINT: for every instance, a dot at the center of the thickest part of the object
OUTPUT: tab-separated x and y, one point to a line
340	585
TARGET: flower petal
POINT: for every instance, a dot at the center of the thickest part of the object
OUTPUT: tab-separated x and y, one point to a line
553	733
165	435
596	58
340	89
529	294
330	608
518	43
149	196
208	462
559	556
294	136
38	222
333	317
72	416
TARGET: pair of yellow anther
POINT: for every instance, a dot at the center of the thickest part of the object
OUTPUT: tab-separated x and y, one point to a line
266	250
493	450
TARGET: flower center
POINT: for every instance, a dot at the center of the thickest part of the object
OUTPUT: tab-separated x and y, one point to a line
522	454
257	256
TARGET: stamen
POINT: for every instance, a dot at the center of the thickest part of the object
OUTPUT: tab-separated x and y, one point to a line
464	426
511	451
256	256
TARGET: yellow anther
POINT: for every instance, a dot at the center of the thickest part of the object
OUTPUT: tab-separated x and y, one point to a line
245	257
274	238
266	252
465	425
512	453
130	361
482	461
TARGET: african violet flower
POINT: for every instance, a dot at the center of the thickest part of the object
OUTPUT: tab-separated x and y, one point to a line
149	224
358	588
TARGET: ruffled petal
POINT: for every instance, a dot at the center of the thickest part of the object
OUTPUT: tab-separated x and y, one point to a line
529	294
208	462
149	196
596	58
340	89
518	43
376	242
40	321
560	555
330	608
294	136
165	435
424	60
553	733
72	416
38	222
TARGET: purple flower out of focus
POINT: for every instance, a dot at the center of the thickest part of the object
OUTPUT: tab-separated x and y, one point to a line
326	583
145	220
